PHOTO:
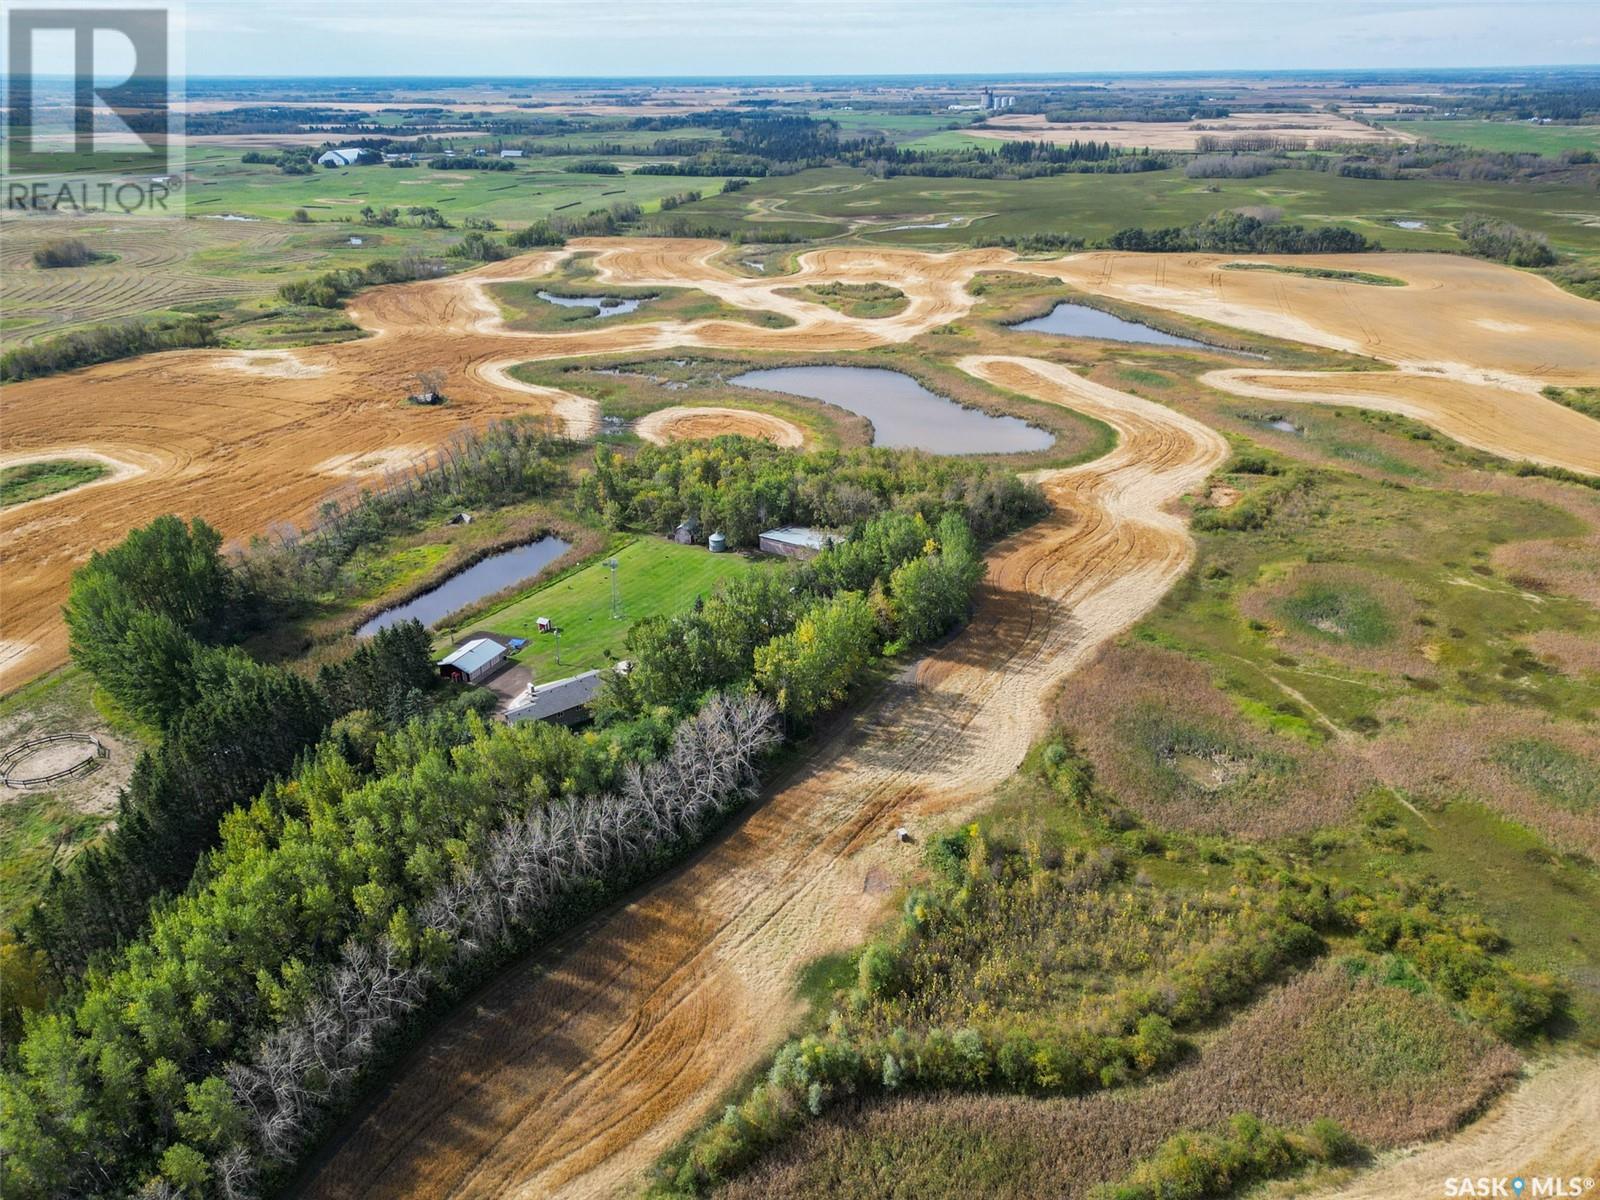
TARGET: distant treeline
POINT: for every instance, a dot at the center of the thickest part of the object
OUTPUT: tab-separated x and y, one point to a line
103	343
1233	232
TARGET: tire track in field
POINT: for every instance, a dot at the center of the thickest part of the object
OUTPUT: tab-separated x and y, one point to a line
568	1075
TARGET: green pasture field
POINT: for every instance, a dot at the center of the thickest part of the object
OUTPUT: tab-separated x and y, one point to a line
655	577
898	127
1514	137
833	201
31	481
539	187
952	139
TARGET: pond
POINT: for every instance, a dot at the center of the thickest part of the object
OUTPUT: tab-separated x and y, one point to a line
483	578
1079	320
604	306
904	414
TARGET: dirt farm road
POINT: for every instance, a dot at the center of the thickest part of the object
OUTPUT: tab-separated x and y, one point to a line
571	1073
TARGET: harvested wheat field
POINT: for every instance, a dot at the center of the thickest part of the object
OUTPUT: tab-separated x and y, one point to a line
249	440
1473	344
1309	127
569	1074
680	424
239	438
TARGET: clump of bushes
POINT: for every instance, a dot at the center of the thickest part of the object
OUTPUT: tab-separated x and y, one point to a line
1505	242
477	247
1255	507
1236	232
1190	1166
330	289
540	233
64	252
1229	166
103	343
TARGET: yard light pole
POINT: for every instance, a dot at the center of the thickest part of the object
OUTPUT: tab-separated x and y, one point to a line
556	629
616	596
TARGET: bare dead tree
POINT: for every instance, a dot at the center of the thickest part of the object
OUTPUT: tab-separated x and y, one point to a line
531	861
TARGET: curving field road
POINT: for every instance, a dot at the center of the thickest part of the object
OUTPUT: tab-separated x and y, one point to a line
570	1074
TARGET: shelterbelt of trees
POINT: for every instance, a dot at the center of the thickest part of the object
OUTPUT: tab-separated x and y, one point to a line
402	848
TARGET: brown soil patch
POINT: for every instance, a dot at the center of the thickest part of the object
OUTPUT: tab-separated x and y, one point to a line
680	424
376	462
280	363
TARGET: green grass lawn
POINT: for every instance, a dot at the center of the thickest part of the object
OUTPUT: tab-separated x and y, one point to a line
1515	137
654	576
30	481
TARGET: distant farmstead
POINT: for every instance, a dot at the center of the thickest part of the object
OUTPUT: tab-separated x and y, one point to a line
347	156
473	661
797	541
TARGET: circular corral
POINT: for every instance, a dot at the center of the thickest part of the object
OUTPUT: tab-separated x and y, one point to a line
50	759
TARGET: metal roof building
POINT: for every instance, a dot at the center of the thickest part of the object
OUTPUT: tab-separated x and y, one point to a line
564	701
797	541
472	661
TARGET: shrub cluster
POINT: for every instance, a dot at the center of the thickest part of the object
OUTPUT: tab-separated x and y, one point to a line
1505	242
63	252
103	343
1191	1166
1233	232
1229	166
330	289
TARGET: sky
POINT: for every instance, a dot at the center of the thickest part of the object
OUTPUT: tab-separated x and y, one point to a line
546	38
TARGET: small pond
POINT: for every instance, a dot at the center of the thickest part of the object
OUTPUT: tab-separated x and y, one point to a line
1411	224
604	306
904	414
483	578
1079	320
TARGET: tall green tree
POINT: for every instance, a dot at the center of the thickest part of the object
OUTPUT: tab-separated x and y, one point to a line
136	614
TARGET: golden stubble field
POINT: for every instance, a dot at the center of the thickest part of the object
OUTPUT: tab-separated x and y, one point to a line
250	439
